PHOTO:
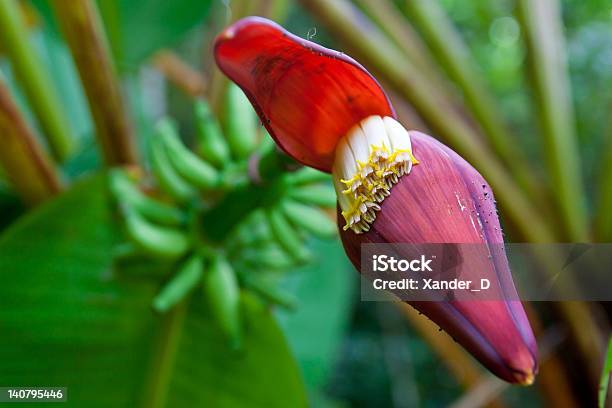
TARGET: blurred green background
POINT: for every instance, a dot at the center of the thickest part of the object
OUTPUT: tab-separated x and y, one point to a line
68	318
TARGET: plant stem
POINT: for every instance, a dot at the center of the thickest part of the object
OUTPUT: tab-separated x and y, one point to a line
26	164
603	219
541	21
343	19
180	73
454	56
276	10
390	21
111	17
83	31
605	375
35	81
164	356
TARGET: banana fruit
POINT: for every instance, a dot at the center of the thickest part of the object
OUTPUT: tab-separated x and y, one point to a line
307	175
222	294
129	194
212	144
162	242
194	170
165	174
286	236
186	278
240	122
310	219
319	195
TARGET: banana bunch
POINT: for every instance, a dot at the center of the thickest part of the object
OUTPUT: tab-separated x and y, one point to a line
274	238
270	238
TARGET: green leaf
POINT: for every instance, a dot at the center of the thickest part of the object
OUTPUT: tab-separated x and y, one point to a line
68	318
324	290
137	28
148	25
10	206
65	320
209	373
605	376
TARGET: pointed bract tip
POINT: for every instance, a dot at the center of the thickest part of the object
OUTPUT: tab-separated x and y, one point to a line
527	379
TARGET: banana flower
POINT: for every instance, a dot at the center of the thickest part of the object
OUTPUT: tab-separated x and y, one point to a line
393	186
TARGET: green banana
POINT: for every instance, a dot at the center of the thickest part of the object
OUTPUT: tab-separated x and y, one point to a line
308	175
185	279
193	169
309	219
234	176
126	192
240	122
223	296
163	242
167	177
269	291
268	257
321	195
286	236
211	143
254	230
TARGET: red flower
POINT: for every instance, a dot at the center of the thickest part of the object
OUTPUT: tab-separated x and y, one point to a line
325	110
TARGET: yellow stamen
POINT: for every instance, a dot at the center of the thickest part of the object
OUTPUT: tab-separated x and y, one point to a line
368	179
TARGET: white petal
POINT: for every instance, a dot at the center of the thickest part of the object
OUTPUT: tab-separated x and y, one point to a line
400	139
374	129
345	163
359	144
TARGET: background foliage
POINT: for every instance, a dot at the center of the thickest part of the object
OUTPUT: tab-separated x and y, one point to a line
71	315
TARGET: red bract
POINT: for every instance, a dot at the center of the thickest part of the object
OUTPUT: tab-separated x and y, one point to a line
277	71
445	200
328	112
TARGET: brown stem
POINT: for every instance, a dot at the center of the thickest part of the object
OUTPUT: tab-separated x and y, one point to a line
35	81
543	27
180	73
276	10
405	112
26	164
405	38
80	23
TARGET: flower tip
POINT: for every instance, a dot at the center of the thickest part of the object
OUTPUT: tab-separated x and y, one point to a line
524	376
527	379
